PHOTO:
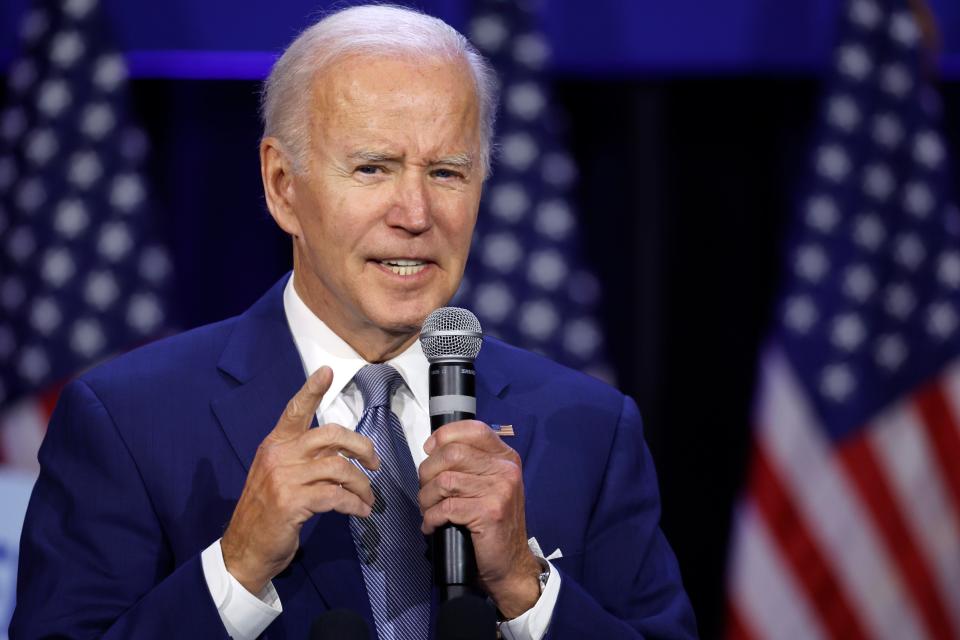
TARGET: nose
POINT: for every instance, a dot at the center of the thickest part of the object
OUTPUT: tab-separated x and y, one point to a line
411	211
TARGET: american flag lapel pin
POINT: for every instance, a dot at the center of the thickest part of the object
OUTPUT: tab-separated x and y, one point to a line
503	430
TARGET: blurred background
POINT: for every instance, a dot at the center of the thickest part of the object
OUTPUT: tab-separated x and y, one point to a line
655	161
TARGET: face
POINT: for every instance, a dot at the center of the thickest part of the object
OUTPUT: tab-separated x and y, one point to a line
383	215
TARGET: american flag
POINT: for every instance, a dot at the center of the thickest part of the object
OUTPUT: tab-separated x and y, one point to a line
526	280
81	275
850	526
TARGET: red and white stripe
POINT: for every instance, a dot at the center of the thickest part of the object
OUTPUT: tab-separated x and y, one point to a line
22	427
902	447
768	595
853	540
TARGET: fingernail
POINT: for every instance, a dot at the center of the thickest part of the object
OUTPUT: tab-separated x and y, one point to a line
429	445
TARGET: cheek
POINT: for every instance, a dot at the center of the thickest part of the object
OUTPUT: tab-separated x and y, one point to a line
458	224
331	226
462	233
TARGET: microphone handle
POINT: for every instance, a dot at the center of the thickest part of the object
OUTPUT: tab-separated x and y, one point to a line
340	624
453	397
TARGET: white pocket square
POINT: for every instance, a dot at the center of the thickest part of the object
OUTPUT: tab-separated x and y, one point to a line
537	551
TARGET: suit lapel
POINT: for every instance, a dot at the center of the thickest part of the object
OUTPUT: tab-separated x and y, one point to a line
493	399
248	412
262	357
500	402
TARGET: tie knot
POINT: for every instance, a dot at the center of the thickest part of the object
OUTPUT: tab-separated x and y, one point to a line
377	382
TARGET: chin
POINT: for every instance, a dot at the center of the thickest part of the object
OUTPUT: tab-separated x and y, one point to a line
401	309
400	319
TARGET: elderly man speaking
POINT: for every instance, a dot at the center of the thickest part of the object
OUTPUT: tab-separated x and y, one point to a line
183	492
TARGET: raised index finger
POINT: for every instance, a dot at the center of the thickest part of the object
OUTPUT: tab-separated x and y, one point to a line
303	405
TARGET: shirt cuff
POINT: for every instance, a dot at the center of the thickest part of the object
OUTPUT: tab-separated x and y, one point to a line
532	624
244	615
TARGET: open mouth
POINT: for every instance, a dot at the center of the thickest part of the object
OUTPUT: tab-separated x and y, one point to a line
403	267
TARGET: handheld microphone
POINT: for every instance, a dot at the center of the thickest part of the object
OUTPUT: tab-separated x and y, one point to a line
466	618
339	624
451	339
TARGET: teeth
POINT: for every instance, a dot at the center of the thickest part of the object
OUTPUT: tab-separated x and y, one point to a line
404	267
403	263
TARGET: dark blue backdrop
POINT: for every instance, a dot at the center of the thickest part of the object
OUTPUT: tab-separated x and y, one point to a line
600	36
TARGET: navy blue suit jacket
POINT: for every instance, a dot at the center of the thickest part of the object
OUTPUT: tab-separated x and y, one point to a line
146	456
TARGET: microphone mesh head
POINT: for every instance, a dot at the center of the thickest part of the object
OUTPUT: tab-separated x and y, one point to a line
451	333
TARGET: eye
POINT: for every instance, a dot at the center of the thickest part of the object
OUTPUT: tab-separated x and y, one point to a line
446	174
369	169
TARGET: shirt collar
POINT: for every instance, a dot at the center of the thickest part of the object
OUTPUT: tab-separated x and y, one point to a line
319	345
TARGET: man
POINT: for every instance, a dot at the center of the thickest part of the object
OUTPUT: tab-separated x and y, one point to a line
183	492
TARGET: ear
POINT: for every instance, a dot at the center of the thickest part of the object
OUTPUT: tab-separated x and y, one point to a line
277	174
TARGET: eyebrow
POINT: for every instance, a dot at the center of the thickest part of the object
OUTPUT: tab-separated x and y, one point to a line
373	156
461	160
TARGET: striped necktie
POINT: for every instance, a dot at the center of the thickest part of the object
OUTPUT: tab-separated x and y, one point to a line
393	552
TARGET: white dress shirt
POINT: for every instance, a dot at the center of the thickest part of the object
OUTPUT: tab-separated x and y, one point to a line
246	615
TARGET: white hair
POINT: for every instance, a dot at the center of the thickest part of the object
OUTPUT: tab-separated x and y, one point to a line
370	29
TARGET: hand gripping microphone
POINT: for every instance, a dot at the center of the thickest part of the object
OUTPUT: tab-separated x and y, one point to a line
451	339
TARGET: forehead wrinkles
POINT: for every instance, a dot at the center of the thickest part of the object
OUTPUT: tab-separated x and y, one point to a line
363	92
